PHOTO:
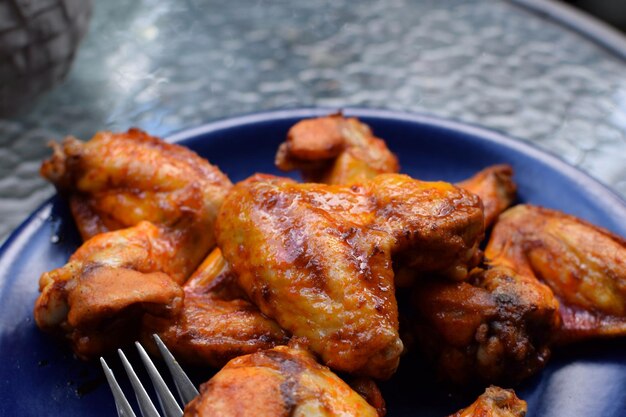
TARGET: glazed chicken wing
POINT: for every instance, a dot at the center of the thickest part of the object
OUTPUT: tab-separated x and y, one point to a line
339	150
317	258
584	265
495	402
550	278
216	323
495	187
335	150
497	326
159	202
97	299
283	381
116	180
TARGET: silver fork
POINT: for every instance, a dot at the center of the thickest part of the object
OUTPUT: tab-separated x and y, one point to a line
169	405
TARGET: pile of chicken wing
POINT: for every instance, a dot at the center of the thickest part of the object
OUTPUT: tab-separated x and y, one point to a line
282	282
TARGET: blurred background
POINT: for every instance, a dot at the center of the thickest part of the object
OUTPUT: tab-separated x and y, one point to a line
528	68
610	11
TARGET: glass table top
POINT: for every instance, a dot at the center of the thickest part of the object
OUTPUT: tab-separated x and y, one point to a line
165	65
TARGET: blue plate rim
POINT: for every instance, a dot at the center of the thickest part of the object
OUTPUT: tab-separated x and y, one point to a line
39	216
480	132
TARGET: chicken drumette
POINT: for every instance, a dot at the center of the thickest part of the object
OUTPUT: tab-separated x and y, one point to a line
496	324
335	150
317	258
495	327
284	381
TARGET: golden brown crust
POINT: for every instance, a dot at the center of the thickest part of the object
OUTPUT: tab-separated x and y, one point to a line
317	258
496	327
313	283
495	187
279	382
495	402
550	278
98	297
316	139
583	264
116	180
436	226
216	323
335	150
146	209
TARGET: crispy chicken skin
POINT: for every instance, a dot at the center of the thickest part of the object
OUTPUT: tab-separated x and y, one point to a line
339	150
335	150
216	323
319	276
495	327
283	381
495	402
584	265
436	226
549	278
98	297
317	258
116	180
147	209
496	189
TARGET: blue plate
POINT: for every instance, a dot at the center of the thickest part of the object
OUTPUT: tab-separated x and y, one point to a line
40	376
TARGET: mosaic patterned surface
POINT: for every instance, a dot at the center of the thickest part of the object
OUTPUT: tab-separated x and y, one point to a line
38	40
166	65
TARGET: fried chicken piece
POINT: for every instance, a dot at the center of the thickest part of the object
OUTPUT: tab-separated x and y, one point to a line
495	402
335	150
97	299
584	266
495	327
216	323
339	150
558	280
317	258
283	381
116	180
159	202
495	187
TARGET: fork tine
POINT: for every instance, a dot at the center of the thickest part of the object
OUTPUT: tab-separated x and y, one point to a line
168	403
121	403
145	403
186	390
